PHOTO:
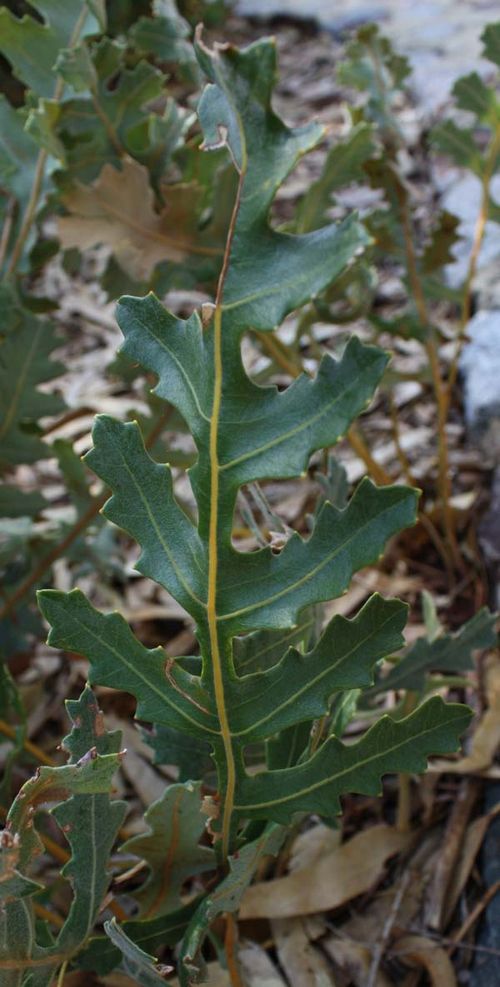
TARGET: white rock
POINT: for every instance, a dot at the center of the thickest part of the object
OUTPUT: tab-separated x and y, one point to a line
480	366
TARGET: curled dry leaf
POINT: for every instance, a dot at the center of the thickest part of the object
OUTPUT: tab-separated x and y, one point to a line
303	963
420	951
117	210
346	872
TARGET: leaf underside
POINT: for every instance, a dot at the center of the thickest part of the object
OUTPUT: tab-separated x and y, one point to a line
245	433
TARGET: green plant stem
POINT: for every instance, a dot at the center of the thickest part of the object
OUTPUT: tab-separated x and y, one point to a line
80	525
68	417
106	122
396	434
30	211
359	445
213	630
230	944
55	552
440	388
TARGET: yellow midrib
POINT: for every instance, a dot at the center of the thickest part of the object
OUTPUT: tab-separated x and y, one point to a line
220	699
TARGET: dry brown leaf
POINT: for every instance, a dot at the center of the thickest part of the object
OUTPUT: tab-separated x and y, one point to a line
354	960
257	969
472	843
312	845
331	881
419	951
303	964
118	211
486	739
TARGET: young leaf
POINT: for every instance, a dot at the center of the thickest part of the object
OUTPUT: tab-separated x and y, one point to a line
472	94
459	144
373	67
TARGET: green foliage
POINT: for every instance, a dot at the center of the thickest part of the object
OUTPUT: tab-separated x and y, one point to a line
170	848
245	433
240	718
25	363
479	99
79	793
57	27
446	653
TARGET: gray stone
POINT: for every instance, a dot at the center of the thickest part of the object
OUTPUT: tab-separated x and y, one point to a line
480	366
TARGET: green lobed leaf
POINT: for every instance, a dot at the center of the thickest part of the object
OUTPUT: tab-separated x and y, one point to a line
90	776
25	362
90	823
270	273
449	653
390	745
491	42
171	848
21	37
120	661
111	115
280	429
472	94
458	143
300	686
245	433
